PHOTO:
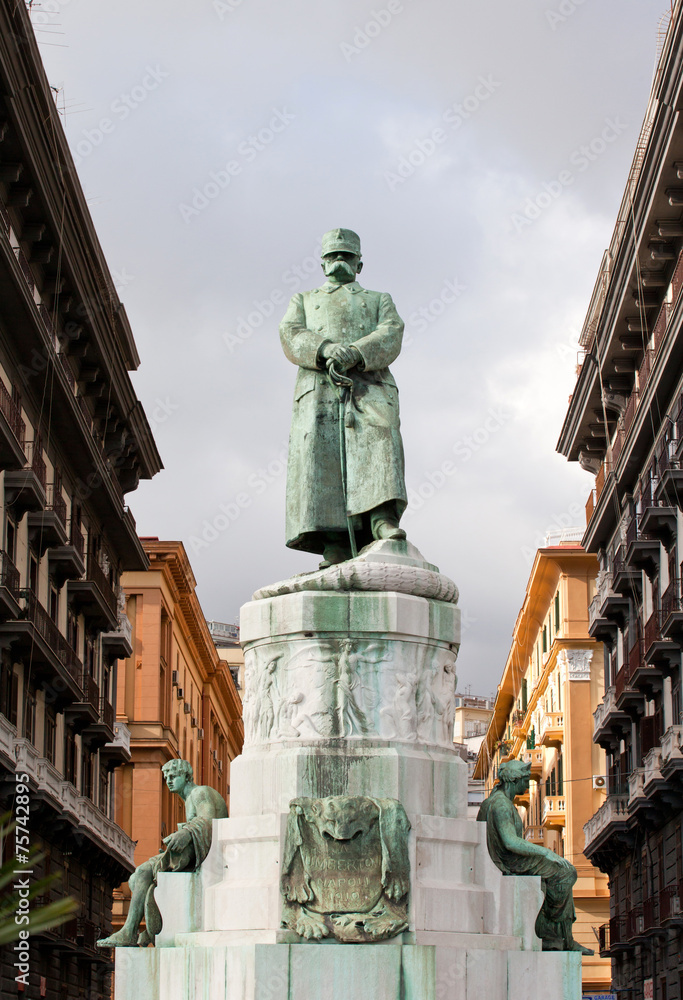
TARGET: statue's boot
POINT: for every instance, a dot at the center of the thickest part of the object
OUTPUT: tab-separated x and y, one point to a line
384	523
335	551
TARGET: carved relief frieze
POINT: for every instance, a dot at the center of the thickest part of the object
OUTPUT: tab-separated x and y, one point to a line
354	687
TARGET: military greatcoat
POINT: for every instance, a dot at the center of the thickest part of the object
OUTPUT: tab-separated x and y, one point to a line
352	316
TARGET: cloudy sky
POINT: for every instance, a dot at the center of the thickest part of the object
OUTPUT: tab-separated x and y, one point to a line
480	149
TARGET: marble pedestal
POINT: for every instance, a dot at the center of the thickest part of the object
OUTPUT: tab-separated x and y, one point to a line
350	692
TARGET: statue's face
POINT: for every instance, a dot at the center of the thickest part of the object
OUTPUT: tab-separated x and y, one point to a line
341	265
175	780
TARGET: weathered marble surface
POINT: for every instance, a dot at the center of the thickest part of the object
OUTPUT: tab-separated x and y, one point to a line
383	566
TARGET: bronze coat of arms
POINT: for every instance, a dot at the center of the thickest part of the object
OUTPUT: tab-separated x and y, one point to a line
346	870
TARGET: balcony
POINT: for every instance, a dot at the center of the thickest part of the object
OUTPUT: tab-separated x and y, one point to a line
660	652
609	825
635	924
627	581
613	937
34	636
118	751
66	561
670	908
629	698
609	721
94	595
653	780
660	523
672	612
26	489
78	810
670	487
643	553
101	731
9	588
534	834
47	527
639	802
534	758
80	714
554	807
12	432
118	645
8	734
672	752
552	730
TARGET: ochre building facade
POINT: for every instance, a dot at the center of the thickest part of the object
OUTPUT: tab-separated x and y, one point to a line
552	683
176	697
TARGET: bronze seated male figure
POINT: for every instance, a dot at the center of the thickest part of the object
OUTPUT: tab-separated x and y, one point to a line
185	851
514	855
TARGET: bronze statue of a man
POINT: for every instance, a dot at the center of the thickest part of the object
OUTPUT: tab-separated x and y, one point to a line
345	476
184	852
514	855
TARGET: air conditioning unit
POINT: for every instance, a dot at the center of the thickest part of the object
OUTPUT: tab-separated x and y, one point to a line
220	765
675	905
599	781
187	708
200	733
213	754
174	678
193	722
179	694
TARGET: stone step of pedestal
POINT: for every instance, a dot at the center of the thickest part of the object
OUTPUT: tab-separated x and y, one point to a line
345	972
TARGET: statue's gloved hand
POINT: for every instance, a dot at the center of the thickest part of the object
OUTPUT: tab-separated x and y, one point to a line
343	357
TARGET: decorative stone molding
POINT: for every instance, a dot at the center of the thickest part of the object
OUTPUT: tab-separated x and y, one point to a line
577	663
378	567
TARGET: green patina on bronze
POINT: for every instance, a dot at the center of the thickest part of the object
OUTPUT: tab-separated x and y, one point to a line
346	869
358	332
184	851
514	855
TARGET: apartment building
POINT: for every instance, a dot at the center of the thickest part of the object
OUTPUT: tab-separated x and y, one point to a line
624	424
552	682
74	440
176	697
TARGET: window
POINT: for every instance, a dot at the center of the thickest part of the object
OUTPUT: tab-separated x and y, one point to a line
33	573
72	629
11	539
50	734
30	716
54	604
69	756
524	694
557	611
545	638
